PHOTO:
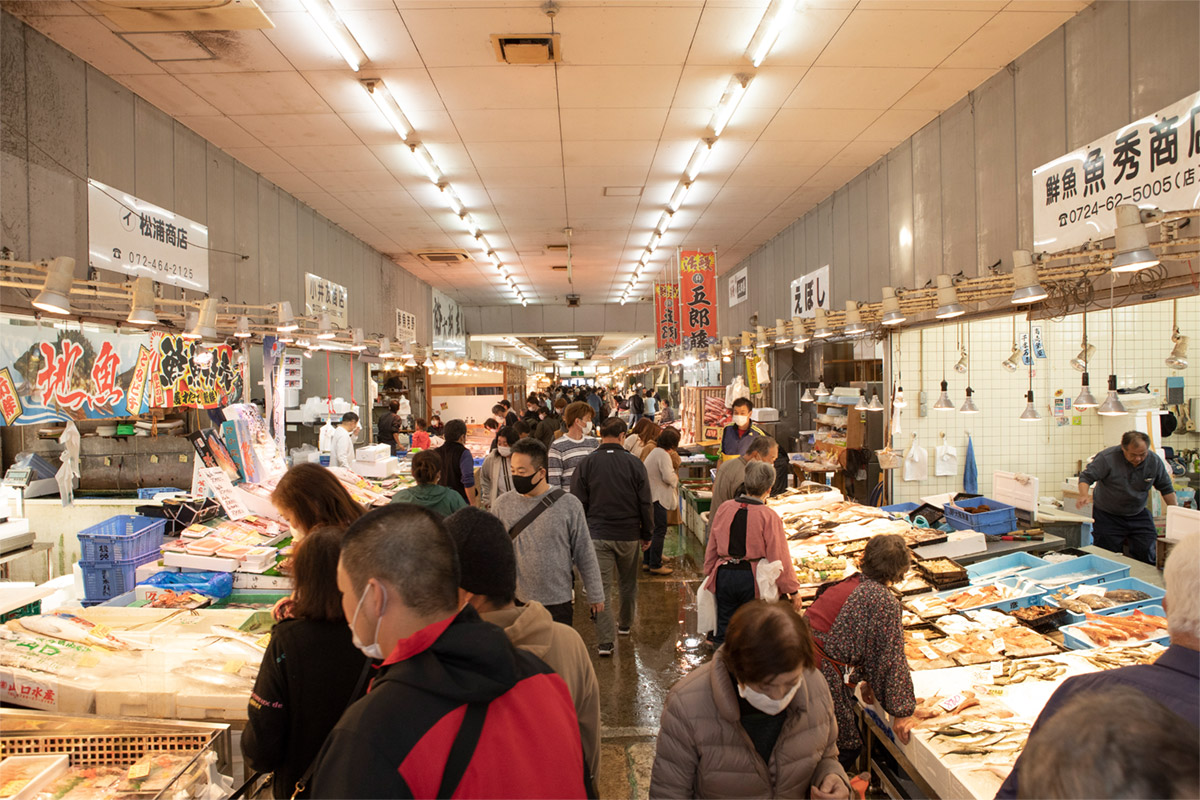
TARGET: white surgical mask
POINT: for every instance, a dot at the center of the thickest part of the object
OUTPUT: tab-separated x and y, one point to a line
372	650
587	427
741	420
504	450
766	704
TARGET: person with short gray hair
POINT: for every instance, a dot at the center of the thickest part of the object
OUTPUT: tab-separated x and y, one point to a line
728	480
1123	476
746	533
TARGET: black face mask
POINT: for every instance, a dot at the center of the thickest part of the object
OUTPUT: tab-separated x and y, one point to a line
524	484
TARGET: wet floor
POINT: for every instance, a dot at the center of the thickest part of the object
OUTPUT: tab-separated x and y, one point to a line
634	681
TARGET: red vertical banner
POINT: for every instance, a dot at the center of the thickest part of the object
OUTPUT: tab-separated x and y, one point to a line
698	298
666	308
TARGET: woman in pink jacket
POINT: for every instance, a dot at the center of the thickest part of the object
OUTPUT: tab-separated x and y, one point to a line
745	534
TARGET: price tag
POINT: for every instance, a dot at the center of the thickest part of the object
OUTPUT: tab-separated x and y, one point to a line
951	703
918	635
139	770
997	669
997	645
983	679
996	691
929	653
233	665
263	640
947	646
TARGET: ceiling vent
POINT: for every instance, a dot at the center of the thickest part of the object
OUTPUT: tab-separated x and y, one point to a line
573	301
163	16
556	248
559	268
443	257
527	48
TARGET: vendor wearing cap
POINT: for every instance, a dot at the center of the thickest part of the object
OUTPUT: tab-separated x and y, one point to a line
1123	476
737	436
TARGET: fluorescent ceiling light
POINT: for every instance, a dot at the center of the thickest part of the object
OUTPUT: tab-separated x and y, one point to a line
335	30
388	106
699	157
563	339
774	20
665	222
678	197
425	161
452	199
729	103
655	238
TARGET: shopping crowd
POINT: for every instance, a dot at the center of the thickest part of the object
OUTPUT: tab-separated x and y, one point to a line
428	647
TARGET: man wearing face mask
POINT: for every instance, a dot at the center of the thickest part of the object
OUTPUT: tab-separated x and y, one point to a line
550	536
737	436
454	709
567	451
342	447
495	475
756	721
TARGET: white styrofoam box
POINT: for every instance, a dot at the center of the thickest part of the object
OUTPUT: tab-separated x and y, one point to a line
14	526
939	500
209	563
959	543
373	452
1182	522
1008	488
154	567
377	469
49	768
135	703
765	414
250	580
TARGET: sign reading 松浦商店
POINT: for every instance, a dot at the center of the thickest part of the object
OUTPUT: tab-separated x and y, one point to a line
1151	162
127	234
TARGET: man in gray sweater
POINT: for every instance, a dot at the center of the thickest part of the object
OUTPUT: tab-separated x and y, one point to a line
552	542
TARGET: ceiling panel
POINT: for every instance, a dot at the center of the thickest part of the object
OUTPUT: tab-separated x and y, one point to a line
818	124
293	130
500	86
942	88
854	87
617	87
236	93
1004	37
896	38
169	95
523	125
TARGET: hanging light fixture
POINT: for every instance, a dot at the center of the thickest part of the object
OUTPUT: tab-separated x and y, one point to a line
141	309
325	330
726	347
410	362
892	315
853	320
821	391
781	332
1086	399
428	362
898	401
861	405
968	406
1178	357
243	328
1030	414
807	397
943	402
762	337
385	348
747	342
821	329
1112	405
875	405
287	320
356	340
1026	288
947	298
963	362
206	321
57	288
799	333
1080	362
1133	245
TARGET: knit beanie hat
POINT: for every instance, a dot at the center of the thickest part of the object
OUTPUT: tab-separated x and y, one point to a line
485	553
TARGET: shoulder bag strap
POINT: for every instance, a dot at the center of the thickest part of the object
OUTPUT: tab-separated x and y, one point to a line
302	784
463	749
524	522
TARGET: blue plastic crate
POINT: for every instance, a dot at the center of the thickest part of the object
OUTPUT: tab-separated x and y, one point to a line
150	493
1076	641
103	581
900	508
1030	595
1003	566
1001	519
1084	569
1156	595
121	538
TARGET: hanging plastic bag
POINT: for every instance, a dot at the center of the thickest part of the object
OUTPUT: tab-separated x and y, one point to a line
766	574
763	372
946	460
889	458
916	462
325	437
706	607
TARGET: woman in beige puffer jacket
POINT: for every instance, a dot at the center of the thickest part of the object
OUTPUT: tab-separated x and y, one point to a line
711	740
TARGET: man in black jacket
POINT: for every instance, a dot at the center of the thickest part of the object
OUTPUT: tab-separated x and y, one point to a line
454	709
615	491
637	404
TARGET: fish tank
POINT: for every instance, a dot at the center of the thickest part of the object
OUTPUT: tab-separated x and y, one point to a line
67	757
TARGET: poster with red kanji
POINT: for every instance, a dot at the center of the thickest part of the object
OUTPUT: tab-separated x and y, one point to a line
55	373
698	298
666	312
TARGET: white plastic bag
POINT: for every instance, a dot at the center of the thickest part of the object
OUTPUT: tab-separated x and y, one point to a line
916	462
767	574
763	372
325	437
706	608
946	461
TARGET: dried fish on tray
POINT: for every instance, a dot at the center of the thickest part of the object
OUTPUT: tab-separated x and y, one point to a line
941	571
1115	657
1040	618
851	548
1032	669
911	584
916	537
812	570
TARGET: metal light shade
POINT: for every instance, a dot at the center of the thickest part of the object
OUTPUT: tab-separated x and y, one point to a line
287	320
427	363
947	297
874	405
781	332
326	330
898	401
385	347
762	336
1086	399
892	315
141	310
861	405
56	289
1030	414
807	397
356	340
1133	245
1013	362
410	362
968	406
1080	362
206	321
821	329
1112	405
799	334
243	328
1026	288
1178	357
853	320
963	363
747	342
821	391
798	347
726	348
943	402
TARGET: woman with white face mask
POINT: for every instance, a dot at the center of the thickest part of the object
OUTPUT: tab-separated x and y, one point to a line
756	721
495	475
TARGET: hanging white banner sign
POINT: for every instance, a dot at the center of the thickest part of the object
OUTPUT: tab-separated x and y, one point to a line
126	234
406	327
739	286
810	292
1153	162
323	296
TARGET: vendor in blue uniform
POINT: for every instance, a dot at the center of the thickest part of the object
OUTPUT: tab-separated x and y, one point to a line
1122	477
738	435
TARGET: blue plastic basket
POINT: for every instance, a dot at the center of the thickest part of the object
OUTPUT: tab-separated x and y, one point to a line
1003	566
1077	641
104	581
1030	596
1089	569
150	493
1000	520
1156	595
122	538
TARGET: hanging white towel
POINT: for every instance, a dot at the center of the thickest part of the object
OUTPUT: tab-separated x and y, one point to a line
916	462
706	607
767	574
946	462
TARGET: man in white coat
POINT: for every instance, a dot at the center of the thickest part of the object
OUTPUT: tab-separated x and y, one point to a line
341	449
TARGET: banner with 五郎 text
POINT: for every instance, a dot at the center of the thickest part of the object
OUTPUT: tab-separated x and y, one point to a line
666	314
698	298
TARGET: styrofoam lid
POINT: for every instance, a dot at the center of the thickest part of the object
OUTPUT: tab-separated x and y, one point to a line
1182	522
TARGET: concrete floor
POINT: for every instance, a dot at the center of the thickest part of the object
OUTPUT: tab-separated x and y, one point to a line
634	681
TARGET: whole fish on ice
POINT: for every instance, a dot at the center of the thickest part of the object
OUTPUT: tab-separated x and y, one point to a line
70	628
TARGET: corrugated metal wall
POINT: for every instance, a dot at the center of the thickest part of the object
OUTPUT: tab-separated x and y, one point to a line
960	187
64	122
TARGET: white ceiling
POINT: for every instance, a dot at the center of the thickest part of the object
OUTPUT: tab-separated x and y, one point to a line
530	150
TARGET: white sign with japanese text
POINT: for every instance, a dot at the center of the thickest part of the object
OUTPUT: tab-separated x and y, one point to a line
810	292
214	481
739	287
406	326
449	332
323	296
1151	162
129	235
